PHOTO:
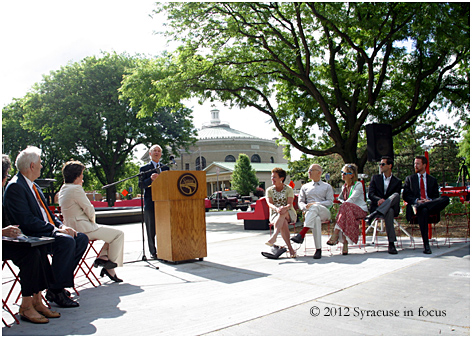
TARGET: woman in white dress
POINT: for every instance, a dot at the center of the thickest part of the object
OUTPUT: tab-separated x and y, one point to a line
79	214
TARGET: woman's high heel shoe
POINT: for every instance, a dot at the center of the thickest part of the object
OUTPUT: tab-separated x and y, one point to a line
345	247
106	264
332	241
113	278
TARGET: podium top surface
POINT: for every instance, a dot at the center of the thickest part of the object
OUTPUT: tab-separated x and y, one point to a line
179	185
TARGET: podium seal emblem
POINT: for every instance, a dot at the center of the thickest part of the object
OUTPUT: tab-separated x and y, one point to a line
187	184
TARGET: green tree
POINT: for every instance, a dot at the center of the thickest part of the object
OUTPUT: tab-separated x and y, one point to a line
331	67
78	108
17	138
443	161
464	145
244	179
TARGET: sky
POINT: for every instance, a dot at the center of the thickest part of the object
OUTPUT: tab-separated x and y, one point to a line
41	36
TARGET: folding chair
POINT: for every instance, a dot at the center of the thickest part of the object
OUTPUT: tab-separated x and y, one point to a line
86	267
450	225
432	221
323	247
378	225
14	280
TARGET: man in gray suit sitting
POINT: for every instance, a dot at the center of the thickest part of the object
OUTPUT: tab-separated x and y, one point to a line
384	195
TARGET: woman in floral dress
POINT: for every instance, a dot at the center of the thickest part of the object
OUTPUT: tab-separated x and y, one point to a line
280	200
352	210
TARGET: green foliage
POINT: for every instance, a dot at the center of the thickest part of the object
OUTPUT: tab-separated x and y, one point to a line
77	113
331	164
334	211
298	170
244	179
455	207
314	68
464	145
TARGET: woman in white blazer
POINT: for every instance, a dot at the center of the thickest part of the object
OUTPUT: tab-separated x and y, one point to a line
79	214
353	209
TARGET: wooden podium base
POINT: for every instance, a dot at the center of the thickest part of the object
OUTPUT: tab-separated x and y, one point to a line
181	230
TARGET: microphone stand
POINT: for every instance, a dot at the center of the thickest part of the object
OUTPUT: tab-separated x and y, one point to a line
143	258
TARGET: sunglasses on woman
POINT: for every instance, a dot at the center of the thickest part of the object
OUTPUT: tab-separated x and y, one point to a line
343	173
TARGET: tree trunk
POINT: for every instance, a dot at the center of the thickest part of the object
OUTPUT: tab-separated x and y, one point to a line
111	196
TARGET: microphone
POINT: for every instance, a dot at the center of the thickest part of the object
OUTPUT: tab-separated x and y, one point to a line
172	159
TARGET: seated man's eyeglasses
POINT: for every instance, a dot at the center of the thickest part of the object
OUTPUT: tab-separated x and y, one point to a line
382	164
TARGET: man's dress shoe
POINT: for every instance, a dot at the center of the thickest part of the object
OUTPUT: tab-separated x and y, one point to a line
61	299
297	239
391	249
427	250
370	218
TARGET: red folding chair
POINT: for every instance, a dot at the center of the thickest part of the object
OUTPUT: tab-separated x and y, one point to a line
432	221
15	279
85	266
323	247
450	217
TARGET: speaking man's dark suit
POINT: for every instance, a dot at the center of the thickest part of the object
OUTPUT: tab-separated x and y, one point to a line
411	193
23	209
149	217
390	208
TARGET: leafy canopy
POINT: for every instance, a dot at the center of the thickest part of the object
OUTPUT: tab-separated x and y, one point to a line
324	69
77	109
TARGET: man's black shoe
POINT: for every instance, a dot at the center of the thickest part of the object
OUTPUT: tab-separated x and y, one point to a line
297	239
391	248
61	299
427	250
317	254
50	296
154	256
370	218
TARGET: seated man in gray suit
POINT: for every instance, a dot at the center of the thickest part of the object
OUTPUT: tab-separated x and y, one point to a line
384	195
315	199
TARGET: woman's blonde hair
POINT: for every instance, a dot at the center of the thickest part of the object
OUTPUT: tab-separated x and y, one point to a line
351	168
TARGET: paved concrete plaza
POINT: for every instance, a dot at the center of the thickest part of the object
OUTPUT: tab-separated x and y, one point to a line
235	291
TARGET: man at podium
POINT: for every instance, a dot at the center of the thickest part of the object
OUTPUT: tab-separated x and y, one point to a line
145	181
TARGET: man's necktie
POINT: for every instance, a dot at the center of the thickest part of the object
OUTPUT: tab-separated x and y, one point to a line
42	204
422	189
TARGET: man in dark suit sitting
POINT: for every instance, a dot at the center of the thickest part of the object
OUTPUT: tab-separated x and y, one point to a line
26	206
150	172
384	195
421	192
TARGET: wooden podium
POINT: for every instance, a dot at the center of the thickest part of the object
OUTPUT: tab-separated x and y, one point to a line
179	202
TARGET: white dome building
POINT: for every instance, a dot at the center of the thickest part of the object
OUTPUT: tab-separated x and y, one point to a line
217	149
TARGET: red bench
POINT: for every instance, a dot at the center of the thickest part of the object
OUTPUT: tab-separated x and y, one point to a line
257	219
